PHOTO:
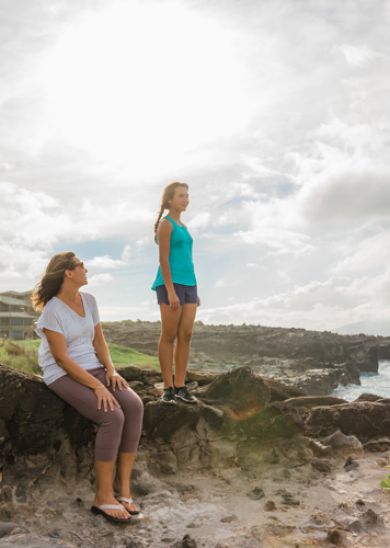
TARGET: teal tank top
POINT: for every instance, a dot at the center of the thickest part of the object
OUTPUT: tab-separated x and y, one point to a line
180	257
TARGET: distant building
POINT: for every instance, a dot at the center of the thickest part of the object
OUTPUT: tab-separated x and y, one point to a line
17	316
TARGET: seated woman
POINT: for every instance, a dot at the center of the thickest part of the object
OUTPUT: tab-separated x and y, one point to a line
77	366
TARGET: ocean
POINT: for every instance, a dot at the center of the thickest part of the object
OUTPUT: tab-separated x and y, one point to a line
370	383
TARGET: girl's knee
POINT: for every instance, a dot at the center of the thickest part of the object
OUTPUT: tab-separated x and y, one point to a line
168	338
185	336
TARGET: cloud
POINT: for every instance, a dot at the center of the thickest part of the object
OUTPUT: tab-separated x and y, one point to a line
100	279
105	262
357	56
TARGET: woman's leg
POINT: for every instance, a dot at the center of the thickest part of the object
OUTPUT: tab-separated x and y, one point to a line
169	326
183	344
133	409
108	437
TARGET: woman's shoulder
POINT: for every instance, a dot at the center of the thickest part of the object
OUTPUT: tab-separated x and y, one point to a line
88	297
51	305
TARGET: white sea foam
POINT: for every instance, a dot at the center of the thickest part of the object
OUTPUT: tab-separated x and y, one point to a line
372	383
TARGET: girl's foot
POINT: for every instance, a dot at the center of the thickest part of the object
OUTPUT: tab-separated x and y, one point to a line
182	393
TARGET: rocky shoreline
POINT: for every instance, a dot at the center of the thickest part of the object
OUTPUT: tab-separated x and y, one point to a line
255	463
312	361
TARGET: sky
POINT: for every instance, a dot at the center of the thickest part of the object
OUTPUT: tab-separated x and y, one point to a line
275	113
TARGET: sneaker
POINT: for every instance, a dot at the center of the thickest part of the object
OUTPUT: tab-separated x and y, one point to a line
168	395
182	393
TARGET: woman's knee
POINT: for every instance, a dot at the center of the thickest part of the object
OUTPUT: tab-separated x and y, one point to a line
133	406
114	419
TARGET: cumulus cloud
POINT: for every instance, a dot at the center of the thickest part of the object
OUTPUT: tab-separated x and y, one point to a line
289	204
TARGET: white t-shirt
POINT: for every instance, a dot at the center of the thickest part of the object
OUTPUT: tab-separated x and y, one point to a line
78	331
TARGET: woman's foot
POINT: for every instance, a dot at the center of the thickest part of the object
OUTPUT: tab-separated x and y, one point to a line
130	505
119	513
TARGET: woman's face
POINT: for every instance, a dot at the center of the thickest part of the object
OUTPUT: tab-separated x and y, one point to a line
78	274
180	199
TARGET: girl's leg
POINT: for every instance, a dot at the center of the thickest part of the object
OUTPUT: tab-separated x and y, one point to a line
108	436
183	344
169	327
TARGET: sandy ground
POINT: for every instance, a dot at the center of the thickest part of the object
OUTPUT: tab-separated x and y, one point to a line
277	506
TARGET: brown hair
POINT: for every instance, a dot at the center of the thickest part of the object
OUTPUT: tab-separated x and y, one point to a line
52	279
168	194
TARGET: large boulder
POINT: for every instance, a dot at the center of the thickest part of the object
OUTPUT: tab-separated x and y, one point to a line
240	392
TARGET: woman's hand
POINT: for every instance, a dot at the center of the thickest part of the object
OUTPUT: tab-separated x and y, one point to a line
114	380
174	301
198	301
105	398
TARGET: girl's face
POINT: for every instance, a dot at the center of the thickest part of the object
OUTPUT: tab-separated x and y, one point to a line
180	199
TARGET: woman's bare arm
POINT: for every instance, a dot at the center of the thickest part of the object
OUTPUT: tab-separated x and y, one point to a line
101	348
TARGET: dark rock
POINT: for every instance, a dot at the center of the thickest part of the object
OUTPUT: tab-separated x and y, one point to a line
362	419
350	464
279	391
229	519
186	542
378	444
228	390
162	420
269	506
370	518
6	527
322	465
256	494
368	397
335	536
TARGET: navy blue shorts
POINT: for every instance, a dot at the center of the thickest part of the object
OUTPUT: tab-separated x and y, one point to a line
187	294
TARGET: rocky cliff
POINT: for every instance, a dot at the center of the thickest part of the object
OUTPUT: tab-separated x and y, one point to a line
255	463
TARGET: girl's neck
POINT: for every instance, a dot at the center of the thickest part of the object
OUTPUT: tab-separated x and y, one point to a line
175	215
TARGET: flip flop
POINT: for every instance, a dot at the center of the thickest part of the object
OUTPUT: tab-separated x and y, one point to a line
100	510
129	501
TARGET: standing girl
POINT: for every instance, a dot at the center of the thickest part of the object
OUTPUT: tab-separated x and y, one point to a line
176	289
77	366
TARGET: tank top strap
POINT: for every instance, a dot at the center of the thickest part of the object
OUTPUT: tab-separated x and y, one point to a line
172	220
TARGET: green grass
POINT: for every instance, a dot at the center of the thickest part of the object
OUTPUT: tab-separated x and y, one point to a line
23	355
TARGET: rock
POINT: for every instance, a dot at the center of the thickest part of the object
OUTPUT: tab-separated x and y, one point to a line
6	527
370	518
378	444
269	506
322	465
368	397
350	464
256	494
186	542
318	448
288	498
340	442
229	519
228	389
313	401
335	536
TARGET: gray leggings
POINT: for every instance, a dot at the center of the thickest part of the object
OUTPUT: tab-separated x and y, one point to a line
119	430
